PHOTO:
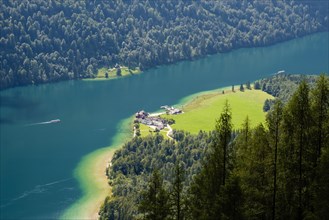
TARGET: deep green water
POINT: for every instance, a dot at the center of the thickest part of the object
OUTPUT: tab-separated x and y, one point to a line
37	160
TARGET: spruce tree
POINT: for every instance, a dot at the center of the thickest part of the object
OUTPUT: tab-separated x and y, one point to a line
246	130
242	148
273	120
198	198
256	85
241	88
231	199
320	111
320	142
298	152
248	85
223	129
322	188
154	204
177	199
256	176
206	188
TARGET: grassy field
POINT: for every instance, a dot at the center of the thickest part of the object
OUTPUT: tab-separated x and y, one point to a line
112	73
202	112
146	130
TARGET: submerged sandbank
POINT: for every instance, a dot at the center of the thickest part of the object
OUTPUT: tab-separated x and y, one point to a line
90	172
92	178
91	175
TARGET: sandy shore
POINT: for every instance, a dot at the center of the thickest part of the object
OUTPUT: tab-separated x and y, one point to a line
92	178
90	172
94	184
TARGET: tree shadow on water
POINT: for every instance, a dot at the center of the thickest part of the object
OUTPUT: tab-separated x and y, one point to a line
6	121
24	107
16	102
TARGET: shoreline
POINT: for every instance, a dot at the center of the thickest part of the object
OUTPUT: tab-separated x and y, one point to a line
93	186
90	171
126	72
91	175
309	35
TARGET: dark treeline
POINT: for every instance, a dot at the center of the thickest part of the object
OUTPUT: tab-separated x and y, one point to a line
134	163
276	170
282	86
44	41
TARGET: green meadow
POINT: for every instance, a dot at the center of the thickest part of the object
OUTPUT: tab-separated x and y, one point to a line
112	73
146	130
202	112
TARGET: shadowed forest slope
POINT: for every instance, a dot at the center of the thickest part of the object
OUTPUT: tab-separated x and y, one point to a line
46	41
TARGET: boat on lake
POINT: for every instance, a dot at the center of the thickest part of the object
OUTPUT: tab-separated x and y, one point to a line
54	121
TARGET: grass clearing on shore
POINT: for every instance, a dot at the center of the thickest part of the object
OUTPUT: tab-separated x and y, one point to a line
112	73
202	112
146	130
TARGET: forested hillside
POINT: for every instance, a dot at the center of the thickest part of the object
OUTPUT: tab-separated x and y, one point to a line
284	85
134	163
277	170
44	41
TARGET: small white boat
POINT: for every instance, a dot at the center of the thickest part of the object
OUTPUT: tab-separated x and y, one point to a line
46	122
55	121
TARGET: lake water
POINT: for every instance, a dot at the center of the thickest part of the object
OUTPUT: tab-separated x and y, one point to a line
37	160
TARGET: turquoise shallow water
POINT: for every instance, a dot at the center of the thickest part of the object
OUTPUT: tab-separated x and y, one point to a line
38	160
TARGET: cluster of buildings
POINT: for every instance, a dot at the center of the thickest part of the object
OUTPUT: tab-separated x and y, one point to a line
156	121
171	110
141	115
152	121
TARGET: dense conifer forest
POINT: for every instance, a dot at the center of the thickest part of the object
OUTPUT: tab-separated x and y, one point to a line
282	86
46	41
276	170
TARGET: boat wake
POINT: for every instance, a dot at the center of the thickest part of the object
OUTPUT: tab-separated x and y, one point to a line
38	189
46	122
